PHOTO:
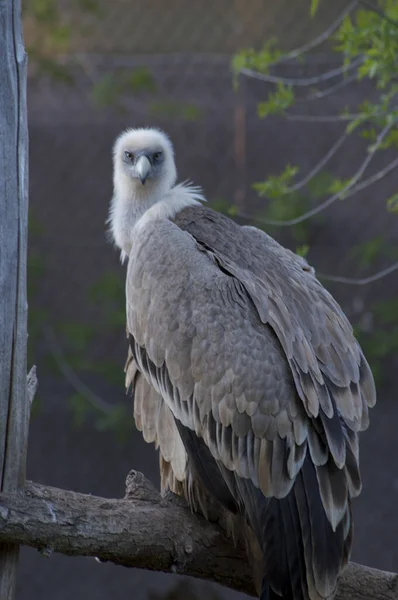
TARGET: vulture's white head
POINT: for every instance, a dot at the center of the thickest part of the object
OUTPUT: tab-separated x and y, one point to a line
144	176
143	162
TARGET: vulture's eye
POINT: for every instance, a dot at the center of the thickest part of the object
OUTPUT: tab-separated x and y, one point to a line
129	156
157	155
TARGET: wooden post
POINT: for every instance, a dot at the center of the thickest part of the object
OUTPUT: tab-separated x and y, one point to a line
14	408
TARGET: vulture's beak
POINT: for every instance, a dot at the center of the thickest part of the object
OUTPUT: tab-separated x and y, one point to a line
143	167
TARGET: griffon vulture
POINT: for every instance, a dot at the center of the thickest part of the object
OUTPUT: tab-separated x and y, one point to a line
245	372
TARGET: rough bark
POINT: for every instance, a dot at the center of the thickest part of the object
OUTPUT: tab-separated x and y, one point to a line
146	531
14	412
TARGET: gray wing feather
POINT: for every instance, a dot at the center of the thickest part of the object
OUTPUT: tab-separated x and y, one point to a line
154	418
224	369
245	348
252	344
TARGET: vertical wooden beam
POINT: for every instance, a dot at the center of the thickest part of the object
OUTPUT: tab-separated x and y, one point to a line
14	409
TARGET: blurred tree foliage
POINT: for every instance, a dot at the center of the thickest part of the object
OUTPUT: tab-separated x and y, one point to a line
52	31
366	39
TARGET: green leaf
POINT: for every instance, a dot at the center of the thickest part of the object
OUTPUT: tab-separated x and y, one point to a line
276	185
257	61
338	185
320	184
391	140
139	80
314	7
221	205
233	211
277	101
302	250
392	203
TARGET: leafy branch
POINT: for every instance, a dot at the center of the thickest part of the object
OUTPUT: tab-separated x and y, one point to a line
253	63
344	191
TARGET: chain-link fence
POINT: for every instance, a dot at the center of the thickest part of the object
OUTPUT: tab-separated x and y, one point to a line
168	64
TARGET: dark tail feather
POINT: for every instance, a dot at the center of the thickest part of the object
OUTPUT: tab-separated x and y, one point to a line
303	557
267	593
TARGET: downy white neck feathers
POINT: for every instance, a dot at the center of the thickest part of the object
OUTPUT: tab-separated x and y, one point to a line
134	201
127	214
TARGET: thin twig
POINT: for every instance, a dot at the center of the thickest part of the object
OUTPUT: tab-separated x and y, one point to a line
320	38
304	81
328	118
376	177
331	152
349	187
364	280
329	90
70	374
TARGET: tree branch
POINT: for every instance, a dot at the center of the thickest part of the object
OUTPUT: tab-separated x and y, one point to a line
320	38
329	118
357	188
364	280
319	166
305	81
329	90
345	192
140	531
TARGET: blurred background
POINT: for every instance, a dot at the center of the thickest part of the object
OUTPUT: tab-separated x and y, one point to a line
288	120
